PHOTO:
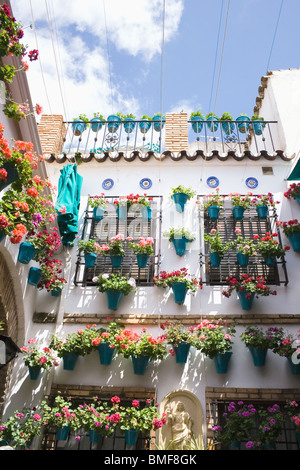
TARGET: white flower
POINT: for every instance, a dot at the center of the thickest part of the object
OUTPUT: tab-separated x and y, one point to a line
131	282
95	279
105	276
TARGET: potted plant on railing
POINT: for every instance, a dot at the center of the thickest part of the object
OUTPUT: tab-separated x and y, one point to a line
247	288
99	204
180	281
114	122
97	122
19	430
105	342
244	248
133	202
91	249
143	249
243	123
141	348
291	230
240	203
145	124
137	418
212	122
114	286
51	278
226	123
158	122
259	341
181	194
76	344
129	123
293	192
213	203
216	246
180	338
80	124
95	419
289	347
61	415
37	359
45	243
258	124
263	203
197	119
115	249
179	237
269	248
271	420
239	421
214	340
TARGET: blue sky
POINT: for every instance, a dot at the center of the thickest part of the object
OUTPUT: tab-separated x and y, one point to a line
106	56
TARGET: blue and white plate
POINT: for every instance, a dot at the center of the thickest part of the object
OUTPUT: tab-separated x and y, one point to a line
251	182
146	183
212	182
108	183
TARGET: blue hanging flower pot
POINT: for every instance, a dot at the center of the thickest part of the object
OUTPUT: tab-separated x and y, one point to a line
98	213
113	298
179	245
180	291
129	125
62	433
181	352
227	127
213	212
158	122
142	260
69	360
113	123
270	261
294	239
243	123
90	259
144	125
106	353
222	361
122	212
94	436
215	259
26	252
243	260
238	212
212	123
246	299
258	355
34	276
55	292
197	124
294	368
258	126
12	175
116	260
180	200
262	211
34	372
78	127
131	436
140	364
2	236
96	124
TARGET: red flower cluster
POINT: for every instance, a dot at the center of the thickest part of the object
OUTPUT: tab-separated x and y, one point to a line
253	285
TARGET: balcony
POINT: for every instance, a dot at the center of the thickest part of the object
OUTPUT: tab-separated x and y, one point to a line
178	138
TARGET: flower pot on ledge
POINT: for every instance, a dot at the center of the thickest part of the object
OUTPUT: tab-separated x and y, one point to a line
181	352
98	213
258	355
26	252
238	212
243	260
222	361
113	298
213	212
116	260
140	364
90	259
215	259
105	353
246	299
262	211
180	291
294	239
69	360
142	259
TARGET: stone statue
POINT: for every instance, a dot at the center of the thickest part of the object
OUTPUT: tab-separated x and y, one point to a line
181	427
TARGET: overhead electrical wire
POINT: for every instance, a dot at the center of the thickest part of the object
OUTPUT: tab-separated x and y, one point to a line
216	54
108	58
274	36
162	57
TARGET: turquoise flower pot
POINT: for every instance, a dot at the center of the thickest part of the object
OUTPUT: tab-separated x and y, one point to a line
227	127
246	302
158	123
258	355
270	261
243	260
140	364
142	260
181	352
131	436
129	125
69	360
26	252
56	292
34	372
144	126
180	200
222	361
78	127
106	353
98	213
295	368
238	212
113	298
197	124
262	211
297	198
62	433
34	276
94	436
12	175
213	123
113	123
122	212
243	126
258	126
96	124
215	259
180	291
2	236
116	260
294	239
90	259
179	245
213	212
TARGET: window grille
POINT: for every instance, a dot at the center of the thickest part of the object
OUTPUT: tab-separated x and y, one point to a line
134	226
286	441
250	225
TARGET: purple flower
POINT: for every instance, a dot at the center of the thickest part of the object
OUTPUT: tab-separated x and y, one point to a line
249	444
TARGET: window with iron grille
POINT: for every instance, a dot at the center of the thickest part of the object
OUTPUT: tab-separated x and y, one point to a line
134	226
249	226
287	439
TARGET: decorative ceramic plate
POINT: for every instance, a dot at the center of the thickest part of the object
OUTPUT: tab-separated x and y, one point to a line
212	182
146	183
107	184
251	182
